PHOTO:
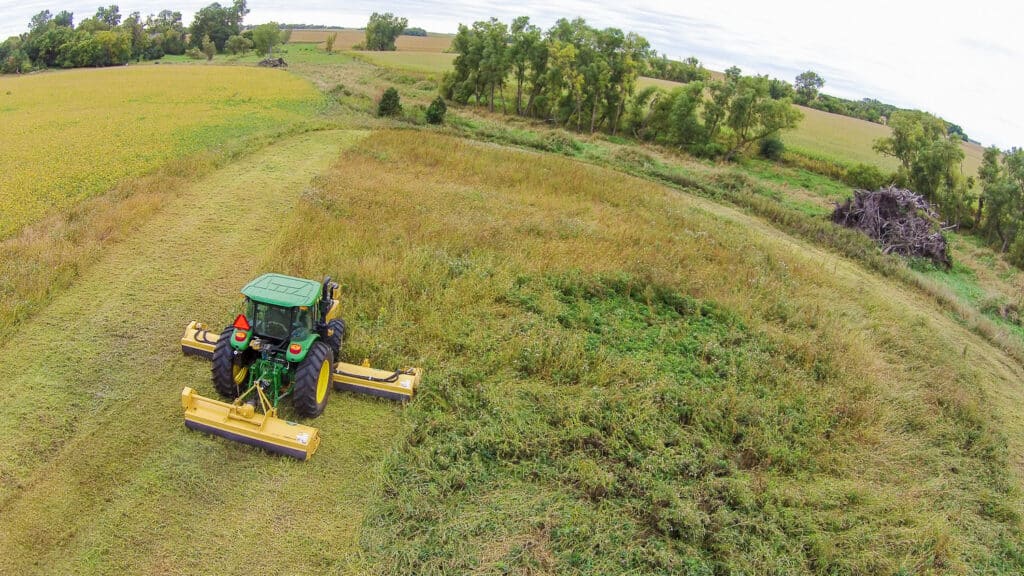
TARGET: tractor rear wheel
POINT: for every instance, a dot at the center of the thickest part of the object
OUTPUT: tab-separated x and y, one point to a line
230	369
337	330
312	385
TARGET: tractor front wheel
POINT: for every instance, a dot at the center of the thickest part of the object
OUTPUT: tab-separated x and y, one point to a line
312	385
230	369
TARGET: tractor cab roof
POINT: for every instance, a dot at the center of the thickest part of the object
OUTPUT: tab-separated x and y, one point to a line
281	290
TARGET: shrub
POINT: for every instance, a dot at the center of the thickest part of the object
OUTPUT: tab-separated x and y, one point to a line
772	148
436	111
819	165
558	141
865	176
390	104
238	45
195	54
209	48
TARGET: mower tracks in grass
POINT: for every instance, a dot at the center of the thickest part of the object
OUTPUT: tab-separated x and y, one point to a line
97	472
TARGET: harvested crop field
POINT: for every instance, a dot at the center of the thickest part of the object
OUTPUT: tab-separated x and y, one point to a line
347	38
73	134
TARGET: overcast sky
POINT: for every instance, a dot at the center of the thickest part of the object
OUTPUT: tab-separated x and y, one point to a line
961	60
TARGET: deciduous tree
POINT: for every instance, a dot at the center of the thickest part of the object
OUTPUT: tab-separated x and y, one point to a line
265	37
382	30
218	22
807	86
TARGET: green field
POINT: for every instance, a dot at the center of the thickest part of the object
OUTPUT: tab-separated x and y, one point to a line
842	137
635	362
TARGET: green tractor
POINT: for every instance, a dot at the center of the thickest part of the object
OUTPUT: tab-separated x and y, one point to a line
286	341
285	344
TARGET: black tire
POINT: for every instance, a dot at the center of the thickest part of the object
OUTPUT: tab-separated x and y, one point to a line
307	381
230	368
337	337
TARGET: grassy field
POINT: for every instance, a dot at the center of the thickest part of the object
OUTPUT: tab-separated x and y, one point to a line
662	374
71	135
349	38
426	62
97	473
625	378
842	137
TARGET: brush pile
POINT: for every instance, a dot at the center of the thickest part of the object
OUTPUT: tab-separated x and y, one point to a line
273	63
901	221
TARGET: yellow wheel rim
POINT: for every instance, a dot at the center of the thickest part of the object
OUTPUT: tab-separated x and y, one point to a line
323	381
240	374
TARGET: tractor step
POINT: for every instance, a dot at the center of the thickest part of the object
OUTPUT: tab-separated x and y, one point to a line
242	424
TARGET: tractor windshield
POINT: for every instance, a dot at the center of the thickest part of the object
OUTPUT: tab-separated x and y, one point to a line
280	323
271	321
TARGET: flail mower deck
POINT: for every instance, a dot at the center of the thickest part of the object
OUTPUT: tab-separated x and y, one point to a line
284	345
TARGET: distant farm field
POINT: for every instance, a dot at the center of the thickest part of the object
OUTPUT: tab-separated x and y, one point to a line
71	135
839	137
851	139
349	38
644	82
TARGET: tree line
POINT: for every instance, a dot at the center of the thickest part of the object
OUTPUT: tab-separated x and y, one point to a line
806	91
109	39
585	79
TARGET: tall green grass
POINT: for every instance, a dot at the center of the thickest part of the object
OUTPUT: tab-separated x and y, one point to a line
748	189
624	379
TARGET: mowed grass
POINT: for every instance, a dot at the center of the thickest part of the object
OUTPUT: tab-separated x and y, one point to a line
625	379
349	38
98	475
74	134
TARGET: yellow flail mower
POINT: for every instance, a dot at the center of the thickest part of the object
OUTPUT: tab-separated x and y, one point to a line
284	345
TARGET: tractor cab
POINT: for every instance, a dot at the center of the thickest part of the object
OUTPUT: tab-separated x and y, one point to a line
280	312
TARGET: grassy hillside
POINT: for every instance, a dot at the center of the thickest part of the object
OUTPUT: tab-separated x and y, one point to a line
638	380
70	135
664	373
841	137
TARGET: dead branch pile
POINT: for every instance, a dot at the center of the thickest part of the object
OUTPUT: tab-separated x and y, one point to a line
901	221
273	63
